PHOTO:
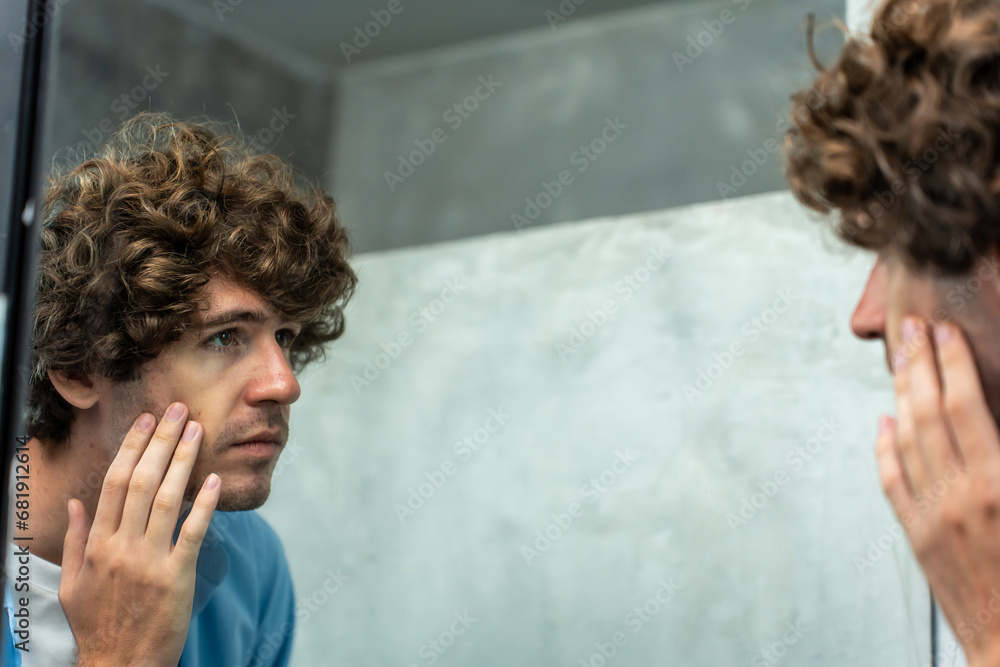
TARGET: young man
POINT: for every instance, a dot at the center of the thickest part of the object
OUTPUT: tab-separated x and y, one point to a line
901	135
182	284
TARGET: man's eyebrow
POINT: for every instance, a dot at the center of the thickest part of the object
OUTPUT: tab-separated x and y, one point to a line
233	316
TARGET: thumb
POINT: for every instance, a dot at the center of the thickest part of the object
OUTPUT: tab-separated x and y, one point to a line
75	543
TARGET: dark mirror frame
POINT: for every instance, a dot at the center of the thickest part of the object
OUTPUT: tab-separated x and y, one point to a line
24	59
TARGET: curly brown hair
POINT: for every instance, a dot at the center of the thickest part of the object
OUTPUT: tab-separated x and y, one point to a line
902	134
131	235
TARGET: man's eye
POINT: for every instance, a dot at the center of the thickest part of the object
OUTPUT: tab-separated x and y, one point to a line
284	337
222	339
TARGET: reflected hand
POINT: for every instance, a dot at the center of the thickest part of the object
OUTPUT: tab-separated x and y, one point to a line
940	467
126	589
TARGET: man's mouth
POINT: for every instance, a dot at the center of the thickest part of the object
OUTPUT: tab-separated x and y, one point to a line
264	444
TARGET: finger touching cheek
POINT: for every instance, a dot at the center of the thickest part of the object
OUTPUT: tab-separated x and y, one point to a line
894	481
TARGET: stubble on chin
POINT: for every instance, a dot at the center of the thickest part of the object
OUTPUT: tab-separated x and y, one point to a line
244	500
237	495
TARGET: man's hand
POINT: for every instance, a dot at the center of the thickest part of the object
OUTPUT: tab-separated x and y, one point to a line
126	589
940	468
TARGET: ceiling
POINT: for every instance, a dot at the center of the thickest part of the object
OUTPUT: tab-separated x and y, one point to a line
320	36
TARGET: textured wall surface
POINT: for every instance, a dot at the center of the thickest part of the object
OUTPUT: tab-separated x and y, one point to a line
117	57
506	484
698	85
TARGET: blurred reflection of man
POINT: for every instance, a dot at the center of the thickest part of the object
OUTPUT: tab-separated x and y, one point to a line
901	135
182	283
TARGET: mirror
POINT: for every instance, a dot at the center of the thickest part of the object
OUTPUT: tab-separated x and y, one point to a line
597	402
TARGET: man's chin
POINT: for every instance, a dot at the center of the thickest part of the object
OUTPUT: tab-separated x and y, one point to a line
236	497
243	500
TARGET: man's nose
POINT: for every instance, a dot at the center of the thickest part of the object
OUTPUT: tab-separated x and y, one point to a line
868	320
274	381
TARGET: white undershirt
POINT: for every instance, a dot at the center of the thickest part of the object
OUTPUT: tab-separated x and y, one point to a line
50	641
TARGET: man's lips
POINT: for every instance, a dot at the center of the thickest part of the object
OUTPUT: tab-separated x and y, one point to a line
262	444
262	436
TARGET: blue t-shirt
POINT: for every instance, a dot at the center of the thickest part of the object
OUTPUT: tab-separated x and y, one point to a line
244	604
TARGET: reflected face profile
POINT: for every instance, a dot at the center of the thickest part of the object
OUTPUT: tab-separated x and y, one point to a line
232	370
971	300
878	311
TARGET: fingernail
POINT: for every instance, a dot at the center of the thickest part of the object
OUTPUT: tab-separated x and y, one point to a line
190	431
942	333
212	481
175	412
909	328
883	424
144	423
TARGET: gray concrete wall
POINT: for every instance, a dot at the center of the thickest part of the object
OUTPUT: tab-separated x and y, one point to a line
402	500
116	57
689	112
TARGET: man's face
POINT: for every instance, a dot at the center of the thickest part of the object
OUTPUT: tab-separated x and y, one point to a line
971	300
232	370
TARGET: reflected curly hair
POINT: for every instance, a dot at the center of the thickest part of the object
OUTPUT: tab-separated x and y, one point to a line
902	134
132	235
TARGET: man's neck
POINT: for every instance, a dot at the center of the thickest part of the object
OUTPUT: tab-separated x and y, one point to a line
54	476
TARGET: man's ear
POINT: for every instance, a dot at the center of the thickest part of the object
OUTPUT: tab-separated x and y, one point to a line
78	390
